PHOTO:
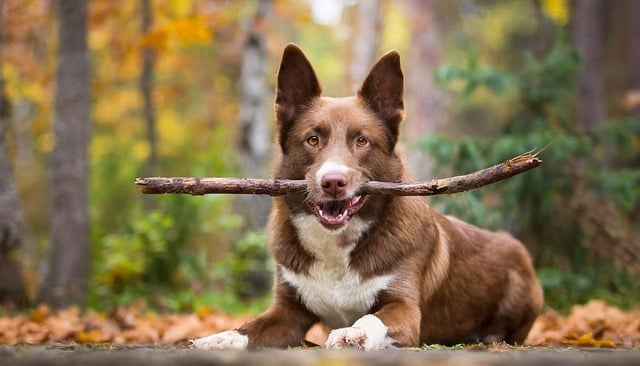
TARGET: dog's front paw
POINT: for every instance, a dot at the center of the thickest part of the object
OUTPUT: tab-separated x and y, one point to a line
346	338
368	333
229	339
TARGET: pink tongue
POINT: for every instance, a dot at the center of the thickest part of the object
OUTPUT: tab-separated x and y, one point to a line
333	209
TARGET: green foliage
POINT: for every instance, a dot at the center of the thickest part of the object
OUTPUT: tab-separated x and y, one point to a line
563	289
440	347
125	259
466	78
553	207
246	269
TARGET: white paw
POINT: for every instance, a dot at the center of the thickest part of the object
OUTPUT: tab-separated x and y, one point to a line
367	333
229	339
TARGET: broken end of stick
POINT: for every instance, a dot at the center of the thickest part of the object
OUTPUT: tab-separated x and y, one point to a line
143	185
528	160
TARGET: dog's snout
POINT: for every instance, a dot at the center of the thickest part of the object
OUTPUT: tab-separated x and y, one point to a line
334	184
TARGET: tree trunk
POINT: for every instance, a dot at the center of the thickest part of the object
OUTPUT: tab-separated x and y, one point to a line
12	288
634	55
66	275
146	89
426	104
367	40
633	88
255	139
588	37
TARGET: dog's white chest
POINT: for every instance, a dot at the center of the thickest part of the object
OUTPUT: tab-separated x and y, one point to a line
331	290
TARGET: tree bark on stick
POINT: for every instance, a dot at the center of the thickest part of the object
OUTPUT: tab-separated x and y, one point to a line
279	187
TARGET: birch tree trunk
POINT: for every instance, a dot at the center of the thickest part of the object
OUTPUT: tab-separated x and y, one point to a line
255	137
67	272
366	44
426	105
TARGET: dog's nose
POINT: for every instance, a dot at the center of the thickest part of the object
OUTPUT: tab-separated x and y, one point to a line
334	184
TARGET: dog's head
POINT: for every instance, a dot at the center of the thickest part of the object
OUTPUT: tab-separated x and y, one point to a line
337	144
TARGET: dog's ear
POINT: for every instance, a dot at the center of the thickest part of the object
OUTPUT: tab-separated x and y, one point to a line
297	85
383	88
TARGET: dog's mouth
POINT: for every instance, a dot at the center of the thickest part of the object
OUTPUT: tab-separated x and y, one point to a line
334	214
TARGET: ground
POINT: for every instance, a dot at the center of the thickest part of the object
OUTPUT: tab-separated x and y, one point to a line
70	355
591	334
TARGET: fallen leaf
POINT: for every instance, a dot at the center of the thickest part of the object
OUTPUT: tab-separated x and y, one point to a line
587	340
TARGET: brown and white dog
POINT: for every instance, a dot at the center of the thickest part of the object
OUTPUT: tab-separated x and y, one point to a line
379	270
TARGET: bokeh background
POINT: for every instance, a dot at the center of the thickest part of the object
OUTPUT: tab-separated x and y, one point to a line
186	88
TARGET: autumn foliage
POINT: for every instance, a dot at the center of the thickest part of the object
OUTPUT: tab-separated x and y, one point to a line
594	324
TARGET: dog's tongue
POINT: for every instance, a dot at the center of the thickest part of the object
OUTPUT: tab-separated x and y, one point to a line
334	212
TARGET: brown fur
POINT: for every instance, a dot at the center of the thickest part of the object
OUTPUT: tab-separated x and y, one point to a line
453	282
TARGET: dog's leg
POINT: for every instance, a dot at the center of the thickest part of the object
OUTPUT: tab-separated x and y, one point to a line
395	324
367	333
283	325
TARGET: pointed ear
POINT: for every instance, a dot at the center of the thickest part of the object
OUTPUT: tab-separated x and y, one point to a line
383	88
297	85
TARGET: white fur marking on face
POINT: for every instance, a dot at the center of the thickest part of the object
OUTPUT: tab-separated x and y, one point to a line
330	166
229	339
368	333
331	290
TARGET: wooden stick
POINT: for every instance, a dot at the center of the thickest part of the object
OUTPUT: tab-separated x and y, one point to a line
279	187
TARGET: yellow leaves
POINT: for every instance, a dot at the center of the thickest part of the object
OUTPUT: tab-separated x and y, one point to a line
180	32
587	340
173	131
116	107
156	39
557	10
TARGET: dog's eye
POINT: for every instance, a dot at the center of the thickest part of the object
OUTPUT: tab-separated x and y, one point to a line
361	142
313	140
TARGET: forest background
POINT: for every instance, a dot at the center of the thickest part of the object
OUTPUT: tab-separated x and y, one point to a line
185	88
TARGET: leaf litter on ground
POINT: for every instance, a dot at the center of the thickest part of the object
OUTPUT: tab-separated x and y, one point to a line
594	324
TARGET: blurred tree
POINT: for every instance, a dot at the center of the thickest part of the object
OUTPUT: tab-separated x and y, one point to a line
632	92
254	137
588	35
146	89
634	58
67	273
426	104
12	287
366	44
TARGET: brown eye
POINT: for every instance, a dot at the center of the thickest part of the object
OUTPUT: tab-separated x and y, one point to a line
313	140
361	142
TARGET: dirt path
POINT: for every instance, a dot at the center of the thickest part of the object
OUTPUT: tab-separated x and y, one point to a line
71	355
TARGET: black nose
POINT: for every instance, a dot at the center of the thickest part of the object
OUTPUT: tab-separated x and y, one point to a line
334	184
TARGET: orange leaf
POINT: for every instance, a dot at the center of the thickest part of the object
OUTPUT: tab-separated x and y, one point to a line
92	336
156	40
587	340
40	314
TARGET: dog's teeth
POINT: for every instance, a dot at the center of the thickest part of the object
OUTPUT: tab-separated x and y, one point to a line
320	211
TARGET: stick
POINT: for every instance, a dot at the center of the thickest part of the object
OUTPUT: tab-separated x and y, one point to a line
279	187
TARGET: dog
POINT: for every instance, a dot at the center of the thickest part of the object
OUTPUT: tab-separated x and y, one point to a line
380	271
